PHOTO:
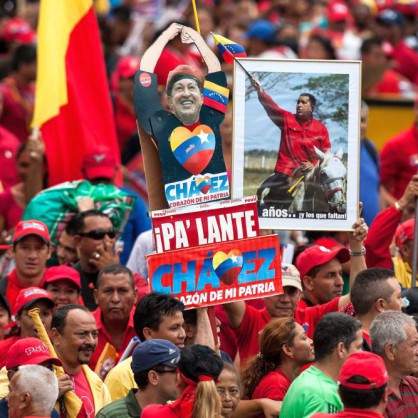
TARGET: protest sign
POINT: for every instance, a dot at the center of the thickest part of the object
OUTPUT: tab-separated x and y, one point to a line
209	223
216	273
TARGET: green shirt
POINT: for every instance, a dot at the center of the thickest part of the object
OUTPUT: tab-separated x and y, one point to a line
312	391
125	407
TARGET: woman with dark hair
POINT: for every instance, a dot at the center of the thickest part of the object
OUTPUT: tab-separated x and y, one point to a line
284	350
319	47
198	369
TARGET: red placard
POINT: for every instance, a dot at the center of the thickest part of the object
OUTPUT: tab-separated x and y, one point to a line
217	273
209	223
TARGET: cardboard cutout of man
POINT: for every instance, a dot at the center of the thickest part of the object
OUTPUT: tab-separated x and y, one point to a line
182	148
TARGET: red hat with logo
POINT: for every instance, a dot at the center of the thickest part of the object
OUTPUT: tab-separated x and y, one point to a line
27	297
99	163
405	232
31	227
367	365
316	256
18	30
29	351
53	274
337	11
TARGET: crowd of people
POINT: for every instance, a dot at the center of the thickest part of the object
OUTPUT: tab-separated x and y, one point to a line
81	335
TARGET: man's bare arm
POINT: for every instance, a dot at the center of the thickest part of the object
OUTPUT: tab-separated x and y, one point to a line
358	262
153	53
235	312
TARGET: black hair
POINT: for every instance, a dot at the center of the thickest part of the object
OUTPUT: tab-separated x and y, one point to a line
141	379
122	13
59	319
115	269
152	309
332	329
311	97
70	227
190	317
326	44
78	219
198	360
24	54
361	399
370	285
369	43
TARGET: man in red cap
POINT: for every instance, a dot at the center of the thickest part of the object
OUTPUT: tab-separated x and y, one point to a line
321	274
64	285
363	383
248	321
31	249
22	353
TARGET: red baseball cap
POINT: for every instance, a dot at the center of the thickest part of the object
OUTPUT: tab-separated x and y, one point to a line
29	351
367	365
337	11
127	67
27	297
53	274
18	30
31	227
99	163
405	232
316	256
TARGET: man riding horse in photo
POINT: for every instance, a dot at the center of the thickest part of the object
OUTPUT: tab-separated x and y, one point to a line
304	143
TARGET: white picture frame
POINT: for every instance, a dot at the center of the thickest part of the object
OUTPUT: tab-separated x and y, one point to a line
336	86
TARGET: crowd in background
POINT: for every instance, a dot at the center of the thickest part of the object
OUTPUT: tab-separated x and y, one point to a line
343	293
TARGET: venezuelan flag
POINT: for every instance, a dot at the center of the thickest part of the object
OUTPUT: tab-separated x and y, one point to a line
215	96
72	103
229	49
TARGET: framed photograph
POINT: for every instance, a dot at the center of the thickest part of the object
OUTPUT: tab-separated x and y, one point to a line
296	141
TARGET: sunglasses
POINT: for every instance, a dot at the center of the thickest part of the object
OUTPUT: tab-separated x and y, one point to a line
98	234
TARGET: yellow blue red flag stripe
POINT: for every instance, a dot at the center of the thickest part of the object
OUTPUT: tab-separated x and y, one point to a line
215	96
229	49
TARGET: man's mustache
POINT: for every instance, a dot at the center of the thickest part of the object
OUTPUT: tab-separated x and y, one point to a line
86	347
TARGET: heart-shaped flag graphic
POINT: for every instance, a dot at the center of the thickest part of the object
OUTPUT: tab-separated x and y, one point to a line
193	150
203	183
227	266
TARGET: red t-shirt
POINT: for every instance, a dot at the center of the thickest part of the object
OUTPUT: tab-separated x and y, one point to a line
273	386
406	61
125	121
9	146
397	159
254	321
4	348
163	411
83	391
104	337
17	108
14	286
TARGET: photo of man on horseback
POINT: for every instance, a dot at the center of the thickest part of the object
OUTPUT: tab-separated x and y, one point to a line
304	142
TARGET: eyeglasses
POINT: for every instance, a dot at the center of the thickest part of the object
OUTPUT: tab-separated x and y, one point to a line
98	234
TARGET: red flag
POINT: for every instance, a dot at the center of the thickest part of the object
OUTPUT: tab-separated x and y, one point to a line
72	105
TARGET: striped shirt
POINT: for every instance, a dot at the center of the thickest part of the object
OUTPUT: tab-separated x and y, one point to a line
407	405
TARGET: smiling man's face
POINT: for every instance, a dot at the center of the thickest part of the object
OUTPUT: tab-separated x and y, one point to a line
186	100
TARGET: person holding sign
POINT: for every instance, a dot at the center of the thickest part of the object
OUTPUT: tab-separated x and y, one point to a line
248	321
186	140
300	134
